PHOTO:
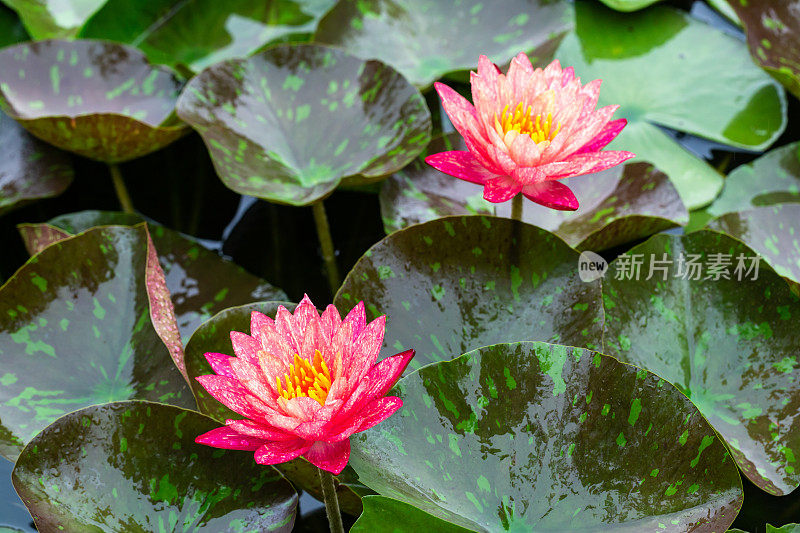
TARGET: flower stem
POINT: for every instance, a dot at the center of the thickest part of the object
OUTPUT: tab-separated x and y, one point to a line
331	501
325	240
119	187
516	207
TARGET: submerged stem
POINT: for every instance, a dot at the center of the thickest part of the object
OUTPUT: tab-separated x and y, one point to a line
119	187
326	242
516	207
331	501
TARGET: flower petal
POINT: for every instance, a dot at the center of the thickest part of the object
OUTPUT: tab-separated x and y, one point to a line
587	163
462	165
248	428
462	114
365	350
220	363
330	456
378	411
304	314
606	135
331	321
276	452
386	373
552	194
245	346
230	439
259	322
357	318
500	189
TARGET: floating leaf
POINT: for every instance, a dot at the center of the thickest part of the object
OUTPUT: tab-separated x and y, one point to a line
426	39
30	169
11	29
76	330
628	5
730	344
54	18
214	336
98	99
595	445
454	284
134	466
381	514
288	124
619	205
739	105
199	33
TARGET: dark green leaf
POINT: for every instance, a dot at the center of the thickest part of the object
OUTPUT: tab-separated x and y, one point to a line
628	5
11	29
98	99
386	514
289	123
540	437
454	284
689	77
54	18
788	528
134	466
425	39
78	327
730	345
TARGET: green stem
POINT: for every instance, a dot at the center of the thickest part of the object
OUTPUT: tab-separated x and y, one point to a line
326	242
516	207
119	187
331	501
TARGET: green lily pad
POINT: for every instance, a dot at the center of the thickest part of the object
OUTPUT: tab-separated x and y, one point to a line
628	5
772	232
730	345
426	39
82	323
595	445
214	336
788	528
199	33
288	124
134	466
11	29
98	99
619	205
386	514
670	55
54	18
30	169
772	36
454	284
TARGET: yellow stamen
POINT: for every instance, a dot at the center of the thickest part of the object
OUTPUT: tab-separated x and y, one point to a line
522	121
306	378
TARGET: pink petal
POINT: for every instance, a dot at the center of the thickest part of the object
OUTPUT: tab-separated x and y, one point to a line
525	151
275	342
304	314
237	398
245	346
386	373
525	176
587	163
567	76
500	189
253	379
481	154
552	194
462	114
248	428
330	456
331	321
285	324
462	165
357	318
339	349
606	135
590	127
228	438
276	452
313	340
220	363
259	322
378	411
365	350
301	409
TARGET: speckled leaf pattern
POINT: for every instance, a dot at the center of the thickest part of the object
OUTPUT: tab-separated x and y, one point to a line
772	35
98	99
619	205
426	39
772	231
200	282
628	5
288	124
214	336
30	169
596	445
740	105
730	345
197	33
454	284
134	466
54	18
383	514
75	330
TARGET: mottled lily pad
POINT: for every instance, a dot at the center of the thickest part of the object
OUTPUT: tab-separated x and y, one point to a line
54	18
288	124
385	514
730	344
595	445
198	33
30	169
426	39
619	205
82	323
134	466
670	55
454	284
98	99
772	35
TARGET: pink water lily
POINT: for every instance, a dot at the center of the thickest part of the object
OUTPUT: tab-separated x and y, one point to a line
527	130
304	384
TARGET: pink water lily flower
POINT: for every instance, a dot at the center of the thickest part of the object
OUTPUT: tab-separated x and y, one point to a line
304	384
527	130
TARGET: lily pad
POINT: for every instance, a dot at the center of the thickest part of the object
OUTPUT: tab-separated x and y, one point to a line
628	5
619	205
134	466
772	30
454	284
595	445
30	169
98	99
82	323
670	55
426	39
730	344
199	33
54	18
11	29
288	124
385	514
